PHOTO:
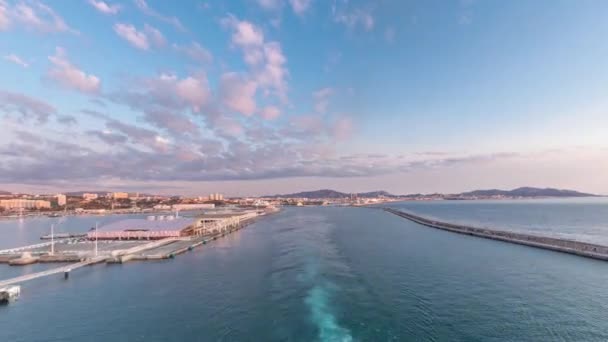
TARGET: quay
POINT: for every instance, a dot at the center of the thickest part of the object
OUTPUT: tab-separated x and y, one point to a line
63	269
579	248
126	244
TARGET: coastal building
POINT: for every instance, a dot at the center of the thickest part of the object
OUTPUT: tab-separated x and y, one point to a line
89	197
161	227
22	203
61	200
216	197
120	195
193	206
154	227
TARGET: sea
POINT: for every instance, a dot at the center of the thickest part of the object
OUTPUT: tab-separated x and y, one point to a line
332	274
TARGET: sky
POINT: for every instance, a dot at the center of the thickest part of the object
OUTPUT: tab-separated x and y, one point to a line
257	97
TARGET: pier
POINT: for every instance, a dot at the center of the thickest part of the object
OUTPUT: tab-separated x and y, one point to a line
84	252
63	269
579	248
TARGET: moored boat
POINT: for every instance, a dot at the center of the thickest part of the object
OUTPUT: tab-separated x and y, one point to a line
9	293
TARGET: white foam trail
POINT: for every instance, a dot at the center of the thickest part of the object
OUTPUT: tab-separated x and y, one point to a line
322	317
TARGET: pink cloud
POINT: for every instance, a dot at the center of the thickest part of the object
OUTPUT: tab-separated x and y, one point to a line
147	10
238	93
266	59
270	4
141	39
354	18
195	91
4	20
299	7
342	128
321	98
270	112
155	36
68	75
245	33
104	7
16	59
33	15
129	33
196	52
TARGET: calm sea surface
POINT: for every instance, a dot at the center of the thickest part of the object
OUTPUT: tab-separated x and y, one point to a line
332	274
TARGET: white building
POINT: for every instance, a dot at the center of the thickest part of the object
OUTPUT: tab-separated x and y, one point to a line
193	206
89	197
61	200
216	197
120	195
21	203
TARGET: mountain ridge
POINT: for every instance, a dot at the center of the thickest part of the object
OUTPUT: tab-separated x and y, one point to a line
525	191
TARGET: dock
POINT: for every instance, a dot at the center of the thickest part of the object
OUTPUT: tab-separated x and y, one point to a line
81	252
63	269
579	248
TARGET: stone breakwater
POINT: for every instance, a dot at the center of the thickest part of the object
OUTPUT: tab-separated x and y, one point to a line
583	249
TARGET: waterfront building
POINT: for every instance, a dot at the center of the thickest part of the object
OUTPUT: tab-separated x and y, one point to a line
89	197
22	203
120	195
61	200
193	206
161	226
155	227
216	197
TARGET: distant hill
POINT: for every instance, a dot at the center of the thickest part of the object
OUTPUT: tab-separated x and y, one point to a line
519	192
528	192
332	194
80	193
5	192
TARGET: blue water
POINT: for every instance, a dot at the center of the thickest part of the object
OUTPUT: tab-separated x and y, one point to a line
584	219
324	274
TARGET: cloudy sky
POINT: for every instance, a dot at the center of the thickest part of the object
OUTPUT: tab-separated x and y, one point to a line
272	96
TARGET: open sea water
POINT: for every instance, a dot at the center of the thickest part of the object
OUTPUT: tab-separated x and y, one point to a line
332	274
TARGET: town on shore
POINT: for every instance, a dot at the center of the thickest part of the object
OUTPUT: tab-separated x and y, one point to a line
95	202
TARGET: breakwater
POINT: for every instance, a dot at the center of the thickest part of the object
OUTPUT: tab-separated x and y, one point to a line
579	248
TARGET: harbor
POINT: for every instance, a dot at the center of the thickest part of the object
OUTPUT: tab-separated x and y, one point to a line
145	239
584	249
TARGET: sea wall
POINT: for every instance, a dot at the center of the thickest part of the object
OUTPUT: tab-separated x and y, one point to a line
584	249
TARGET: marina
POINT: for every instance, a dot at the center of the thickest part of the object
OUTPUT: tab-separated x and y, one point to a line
122	241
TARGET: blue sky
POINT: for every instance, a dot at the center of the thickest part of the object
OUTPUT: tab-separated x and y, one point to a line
258	96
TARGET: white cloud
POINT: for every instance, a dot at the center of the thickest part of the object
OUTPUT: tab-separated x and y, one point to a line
300	6
321	98
105	7
273	73
33	15
147	10
195	51
128	32
66	74
16	59
266	59
245	34
238	93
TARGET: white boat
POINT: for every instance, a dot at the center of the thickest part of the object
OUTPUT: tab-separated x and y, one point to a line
9	293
